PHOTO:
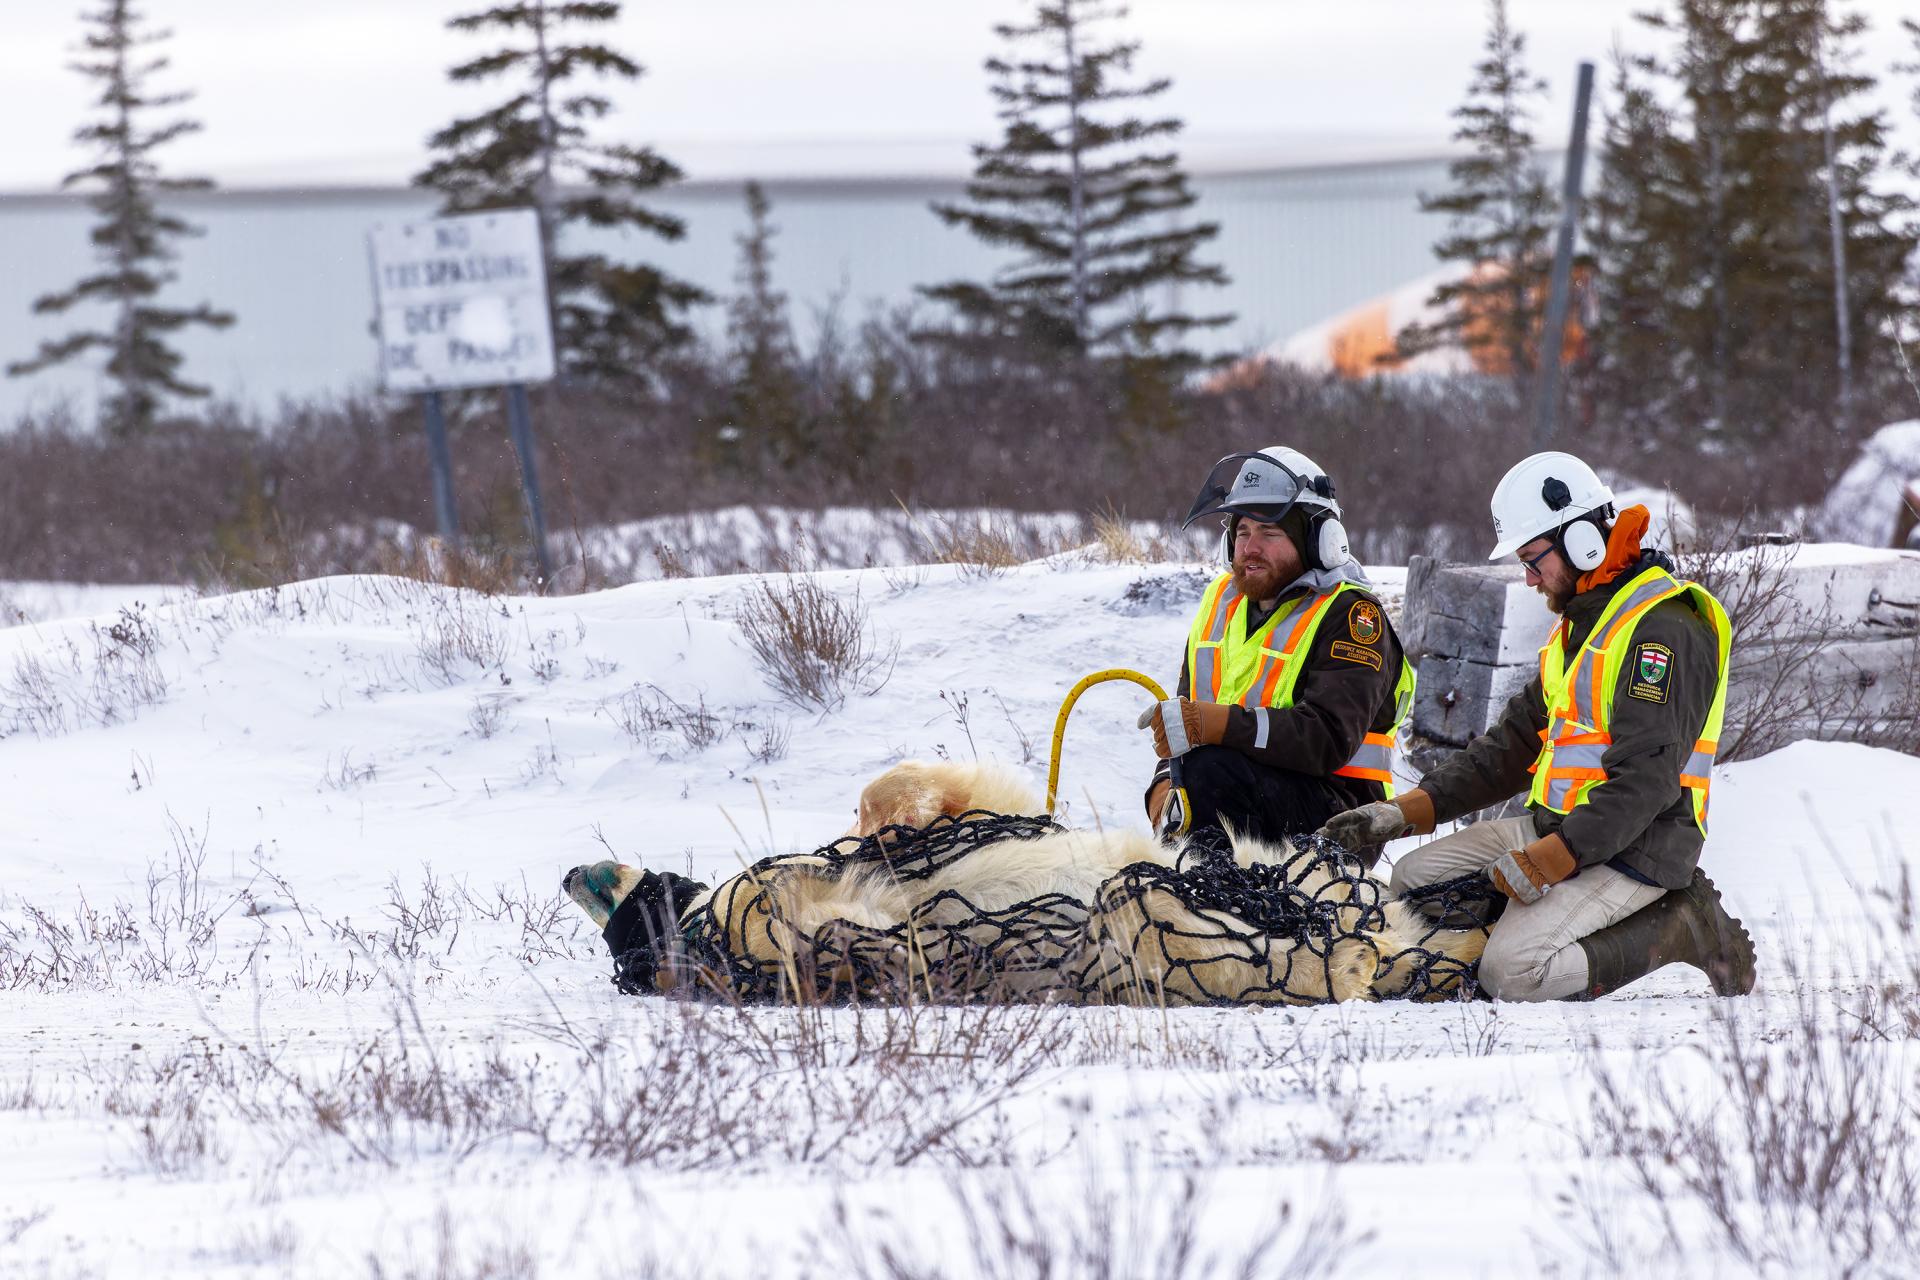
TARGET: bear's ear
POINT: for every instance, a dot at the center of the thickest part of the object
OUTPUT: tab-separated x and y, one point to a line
954	800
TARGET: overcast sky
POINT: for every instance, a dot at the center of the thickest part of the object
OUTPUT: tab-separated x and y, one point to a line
346	91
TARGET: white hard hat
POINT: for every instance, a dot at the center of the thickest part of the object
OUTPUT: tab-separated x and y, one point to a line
1264	485
1541	495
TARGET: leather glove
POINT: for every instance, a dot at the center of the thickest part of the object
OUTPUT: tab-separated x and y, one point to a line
1383	820
1179	725
1164	814
1157	801
1525	874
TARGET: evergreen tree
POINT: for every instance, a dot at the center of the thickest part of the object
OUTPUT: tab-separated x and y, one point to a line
766	413
612	320
132	237
1093	207
1635	197
1502	220
1738	237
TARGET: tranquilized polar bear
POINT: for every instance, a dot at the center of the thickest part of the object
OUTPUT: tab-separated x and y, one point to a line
952	885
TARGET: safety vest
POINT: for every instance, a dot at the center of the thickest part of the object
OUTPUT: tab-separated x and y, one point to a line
1579	695
1225	664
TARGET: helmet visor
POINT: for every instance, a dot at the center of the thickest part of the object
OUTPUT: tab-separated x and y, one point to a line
1248	484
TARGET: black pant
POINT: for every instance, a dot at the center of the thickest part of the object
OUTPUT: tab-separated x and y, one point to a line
1224	788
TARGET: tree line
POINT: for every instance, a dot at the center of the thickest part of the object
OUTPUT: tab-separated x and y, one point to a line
1744	276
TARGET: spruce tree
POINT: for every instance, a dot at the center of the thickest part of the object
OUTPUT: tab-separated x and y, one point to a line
1090	200
133	235
1732	225
1502	220
612	320
766	415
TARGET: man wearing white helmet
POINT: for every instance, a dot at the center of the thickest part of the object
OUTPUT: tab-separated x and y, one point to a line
1612	743
1293	685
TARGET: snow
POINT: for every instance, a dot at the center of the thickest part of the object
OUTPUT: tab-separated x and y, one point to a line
1865	505
336	815
22	602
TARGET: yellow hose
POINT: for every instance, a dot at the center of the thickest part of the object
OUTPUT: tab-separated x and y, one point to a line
1066	709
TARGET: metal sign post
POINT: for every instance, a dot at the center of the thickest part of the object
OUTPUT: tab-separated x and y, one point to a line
462	302
442	463
520	423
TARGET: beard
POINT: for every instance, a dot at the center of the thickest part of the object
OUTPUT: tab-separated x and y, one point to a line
1258	579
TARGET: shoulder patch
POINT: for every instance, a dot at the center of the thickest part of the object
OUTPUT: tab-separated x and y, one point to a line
1363	622
1346	652
1652	673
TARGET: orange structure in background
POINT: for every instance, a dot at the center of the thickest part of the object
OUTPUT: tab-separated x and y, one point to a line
1363	342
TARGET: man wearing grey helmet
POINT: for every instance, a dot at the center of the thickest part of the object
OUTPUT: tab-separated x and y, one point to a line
1293	684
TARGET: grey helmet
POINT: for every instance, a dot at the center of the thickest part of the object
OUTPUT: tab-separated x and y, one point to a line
1268	486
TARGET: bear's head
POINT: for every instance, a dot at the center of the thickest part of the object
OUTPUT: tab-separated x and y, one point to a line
638	912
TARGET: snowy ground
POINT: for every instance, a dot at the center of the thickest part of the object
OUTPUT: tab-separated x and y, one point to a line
287	986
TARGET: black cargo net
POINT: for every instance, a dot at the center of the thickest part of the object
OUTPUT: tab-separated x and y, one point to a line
1308	930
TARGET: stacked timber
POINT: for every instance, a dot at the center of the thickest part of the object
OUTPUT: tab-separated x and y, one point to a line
1825	642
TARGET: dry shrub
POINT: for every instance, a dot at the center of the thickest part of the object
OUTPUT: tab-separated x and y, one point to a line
486	572
812	646
1100	1232
460	1253
654	719
455	631
1793	1150
73	686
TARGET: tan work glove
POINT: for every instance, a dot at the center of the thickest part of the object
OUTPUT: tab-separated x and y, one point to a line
1525	874
1383	820
1157	801
1179	725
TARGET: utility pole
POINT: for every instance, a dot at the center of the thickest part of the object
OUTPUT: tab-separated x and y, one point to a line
1553	335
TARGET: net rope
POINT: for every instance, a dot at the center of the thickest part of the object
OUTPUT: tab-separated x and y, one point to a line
1206	930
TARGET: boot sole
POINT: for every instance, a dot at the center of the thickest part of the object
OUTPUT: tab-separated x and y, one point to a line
1732	972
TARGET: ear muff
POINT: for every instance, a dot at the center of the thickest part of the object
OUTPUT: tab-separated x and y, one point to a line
1330	543
1327	545
1584	545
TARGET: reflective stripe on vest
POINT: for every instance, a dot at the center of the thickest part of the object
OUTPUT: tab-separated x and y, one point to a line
1579	696
1225	666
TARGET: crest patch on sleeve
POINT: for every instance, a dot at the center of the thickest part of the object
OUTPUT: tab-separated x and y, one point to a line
1363	622
1652	673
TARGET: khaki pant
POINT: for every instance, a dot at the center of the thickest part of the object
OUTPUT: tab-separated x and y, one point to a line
1534	952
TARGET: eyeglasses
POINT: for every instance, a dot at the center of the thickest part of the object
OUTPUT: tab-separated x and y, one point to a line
1533	565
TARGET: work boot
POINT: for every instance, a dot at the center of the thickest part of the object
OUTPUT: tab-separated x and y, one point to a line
1687	926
